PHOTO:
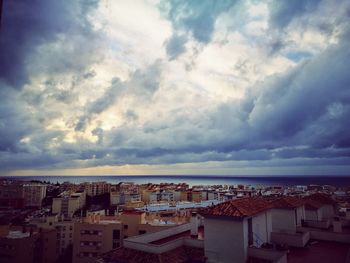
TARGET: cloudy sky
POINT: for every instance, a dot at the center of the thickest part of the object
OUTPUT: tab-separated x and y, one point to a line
175	87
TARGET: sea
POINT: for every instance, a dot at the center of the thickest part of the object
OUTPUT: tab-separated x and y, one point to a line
198	179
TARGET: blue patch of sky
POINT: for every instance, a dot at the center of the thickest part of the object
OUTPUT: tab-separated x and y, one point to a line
296	56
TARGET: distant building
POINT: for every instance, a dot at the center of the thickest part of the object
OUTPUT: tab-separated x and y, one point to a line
68	203
97	188
33	194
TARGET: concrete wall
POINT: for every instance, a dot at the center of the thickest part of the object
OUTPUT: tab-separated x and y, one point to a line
313	214
225	240
283	220
300	215
327	235
324	224
327	211
262	226
295	240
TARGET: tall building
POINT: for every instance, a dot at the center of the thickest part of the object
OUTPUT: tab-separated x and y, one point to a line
33	194
11	194
97	188
68	203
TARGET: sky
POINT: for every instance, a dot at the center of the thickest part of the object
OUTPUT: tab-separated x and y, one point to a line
119	87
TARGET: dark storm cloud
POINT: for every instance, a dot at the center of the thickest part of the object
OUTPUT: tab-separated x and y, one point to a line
282	12
295	118
301	113
28	24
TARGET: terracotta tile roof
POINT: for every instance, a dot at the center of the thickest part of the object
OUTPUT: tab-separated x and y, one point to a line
178	255
322	198
238	208
287	202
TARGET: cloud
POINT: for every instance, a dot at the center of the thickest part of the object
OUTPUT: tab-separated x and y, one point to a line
284	11
78	96
27	25
195	19
175	46
141	83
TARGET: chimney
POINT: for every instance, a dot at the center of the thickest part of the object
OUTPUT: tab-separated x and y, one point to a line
194	224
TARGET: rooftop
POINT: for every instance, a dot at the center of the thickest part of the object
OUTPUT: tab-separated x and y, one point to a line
181	254
319	251
287	202
238	208
17	234
176	236
322	198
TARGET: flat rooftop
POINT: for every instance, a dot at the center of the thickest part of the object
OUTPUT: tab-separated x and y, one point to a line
319	251
180	235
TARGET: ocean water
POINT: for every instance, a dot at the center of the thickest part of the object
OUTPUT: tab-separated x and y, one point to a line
199	180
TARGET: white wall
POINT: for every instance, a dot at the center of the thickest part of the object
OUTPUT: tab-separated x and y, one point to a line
283	220
226	241
300	214
313	214
327	212
261	228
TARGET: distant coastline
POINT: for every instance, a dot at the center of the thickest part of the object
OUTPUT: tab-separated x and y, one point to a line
197	179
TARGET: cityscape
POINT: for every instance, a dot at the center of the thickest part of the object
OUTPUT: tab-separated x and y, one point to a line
174	131
100	222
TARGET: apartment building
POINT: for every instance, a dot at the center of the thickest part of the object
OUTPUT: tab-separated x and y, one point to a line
11	195
25	245
33	194
68	203
122	198
94	237
64	231
97	188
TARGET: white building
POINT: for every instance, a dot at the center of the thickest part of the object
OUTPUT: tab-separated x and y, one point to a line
288	214
235	230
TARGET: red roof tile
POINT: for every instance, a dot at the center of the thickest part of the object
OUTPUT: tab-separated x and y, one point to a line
287	202
238	208
322	198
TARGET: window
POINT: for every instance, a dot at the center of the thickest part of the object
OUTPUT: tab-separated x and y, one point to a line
126	226
116	234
